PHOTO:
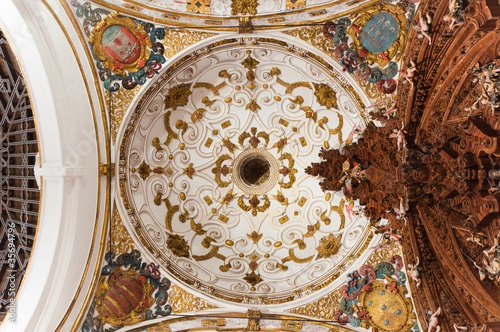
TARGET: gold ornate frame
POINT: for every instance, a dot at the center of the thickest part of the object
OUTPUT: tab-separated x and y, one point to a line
96	40
397	48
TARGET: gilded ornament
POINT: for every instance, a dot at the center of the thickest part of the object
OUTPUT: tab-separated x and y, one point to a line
253	278
178	39
120	44
115	286
295	4
171	210
178	245
250	63
121	241
329	246
156	144
182	301
281	198
182	196
255	237
178	96
252	106
198	6
387	23
197	115
120	102
144	170
325	95
254	206
189	171
384	307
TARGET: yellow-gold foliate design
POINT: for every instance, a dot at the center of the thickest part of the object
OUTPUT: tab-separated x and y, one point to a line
121	241
178	39
178	96
324	308
243	7
325	95
329	246
120	102
182	301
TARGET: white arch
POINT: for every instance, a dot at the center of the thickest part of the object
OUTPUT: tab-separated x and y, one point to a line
69	167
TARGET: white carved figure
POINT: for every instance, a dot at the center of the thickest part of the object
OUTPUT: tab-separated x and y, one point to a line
434	320
423	27
410	73
475	328
414	274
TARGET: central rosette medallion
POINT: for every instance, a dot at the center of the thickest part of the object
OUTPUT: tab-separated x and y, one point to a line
212	173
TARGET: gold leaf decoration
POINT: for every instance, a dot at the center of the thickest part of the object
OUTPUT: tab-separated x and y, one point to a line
178	39
182	301
178	96
178	245
329	246
120	102
324	308
243	7
325	95
121	241
252	278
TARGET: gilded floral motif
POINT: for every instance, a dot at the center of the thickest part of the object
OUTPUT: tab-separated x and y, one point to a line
178	96
325	95
329	246
178	245
182	301
243	7
253	278
121	240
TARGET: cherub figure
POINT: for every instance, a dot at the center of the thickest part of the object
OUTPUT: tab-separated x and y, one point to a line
410	73
399	134
401	210
455	15
423	27
475	328
414	273
475	239
434	320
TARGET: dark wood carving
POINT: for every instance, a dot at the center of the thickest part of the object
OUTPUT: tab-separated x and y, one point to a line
448	173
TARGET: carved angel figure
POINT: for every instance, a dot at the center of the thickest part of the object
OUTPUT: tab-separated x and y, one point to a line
434	320
423	27
410	73
414	273
399	134
455	15
475	328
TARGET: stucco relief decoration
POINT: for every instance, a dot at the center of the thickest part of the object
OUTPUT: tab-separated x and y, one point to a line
128	52
214	172
374	296
129	291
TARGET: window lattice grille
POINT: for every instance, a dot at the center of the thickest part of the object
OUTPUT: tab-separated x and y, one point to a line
19	191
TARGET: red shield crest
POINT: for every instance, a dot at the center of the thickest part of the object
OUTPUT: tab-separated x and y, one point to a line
123	297
121	44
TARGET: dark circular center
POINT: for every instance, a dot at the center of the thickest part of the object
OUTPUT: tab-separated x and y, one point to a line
255	170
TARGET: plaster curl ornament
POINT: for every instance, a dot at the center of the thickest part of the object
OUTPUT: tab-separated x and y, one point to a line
227	189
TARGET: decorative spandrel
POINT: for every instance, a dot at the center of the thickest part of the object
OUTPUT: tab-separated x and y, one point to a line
213	168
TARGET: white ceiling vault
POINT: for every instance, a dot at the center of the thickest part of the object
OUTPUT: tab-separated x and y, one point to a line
203	138
180	166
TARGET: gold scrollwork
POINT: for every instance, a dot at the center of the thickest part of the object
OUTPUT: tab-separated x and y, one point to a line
254	206
254	137
219	170
288	171
182	301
